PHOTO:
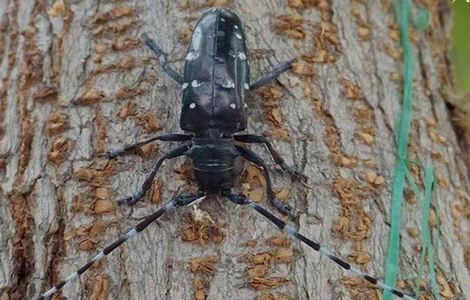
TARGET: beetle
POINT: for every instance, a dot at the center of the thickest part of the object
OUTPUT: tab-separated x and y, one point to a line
215	83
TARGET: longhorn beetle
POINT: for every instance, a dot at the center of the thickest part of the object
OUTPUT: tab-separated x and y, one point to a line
215	82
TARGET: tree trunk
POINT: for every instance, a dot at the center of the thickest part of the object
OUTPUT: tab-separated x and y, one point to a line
76	81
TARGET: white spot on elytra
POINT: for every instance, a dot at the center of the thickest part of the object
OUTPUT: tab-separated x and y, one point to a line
192	105
247	87
238	36
196	83
235	26
193	54
245	105
185	85
241	55
233	106
229	84
222	19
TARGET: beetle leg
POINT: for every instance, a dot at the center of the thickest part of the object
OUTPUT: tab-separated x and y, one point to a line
254	158
181	200
130	148
241	199
251	138
162	58
134	198
272	75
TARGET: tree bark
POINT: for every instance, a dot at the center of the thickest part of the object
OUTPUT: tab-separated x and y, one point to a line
76	81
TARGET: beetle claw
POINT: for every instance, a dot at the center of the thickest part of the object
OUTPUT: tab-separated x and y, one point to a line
290	62
283	208
296	175
287	208
108	154
130	201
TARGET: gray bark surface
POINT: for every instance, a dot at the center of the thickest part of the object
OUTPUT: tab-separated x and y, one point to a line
76	81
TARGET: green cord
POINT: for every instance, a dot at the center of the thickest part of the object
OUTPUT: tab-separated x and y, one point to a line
402	12
419	197
425	230
400	170
427	246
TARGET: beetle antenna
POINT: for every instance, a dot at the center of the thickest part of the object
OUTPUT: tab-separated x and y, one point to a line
182	200
244	200
162	58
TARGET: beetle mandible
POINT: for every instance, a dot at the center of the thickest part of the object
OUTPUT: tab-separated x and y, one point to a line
215	83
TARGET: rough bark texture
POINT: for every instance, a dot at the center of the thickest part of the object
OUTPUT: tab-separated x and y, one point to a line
76	80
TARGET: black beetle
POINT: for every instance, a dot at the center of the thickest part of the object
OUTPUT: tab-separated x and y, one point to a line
215	82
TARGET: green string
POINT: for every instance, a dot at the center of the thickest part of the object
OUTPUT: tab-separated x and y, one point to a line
425	230
400	170
402	12
419	197
427	249
436	231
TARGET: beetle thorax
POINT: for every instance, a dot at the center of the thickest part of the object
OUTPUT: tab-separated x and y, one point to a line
213	156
